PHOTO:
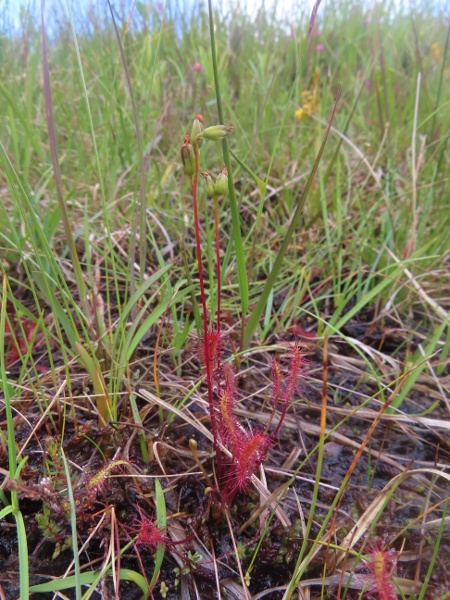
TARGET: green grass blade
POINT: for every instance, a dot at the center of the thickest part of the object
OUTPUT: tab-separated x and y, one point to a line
242	273
441	77
142	199
28	130
435	553
97	157
421	360
57	171
262	185
73	522
68	583
138	421
6	511
161	521
259	309
101	396
23	557
12	457
151	319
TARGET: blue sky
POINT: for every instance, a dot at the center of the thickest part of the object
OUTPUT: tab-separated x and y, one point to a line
13	10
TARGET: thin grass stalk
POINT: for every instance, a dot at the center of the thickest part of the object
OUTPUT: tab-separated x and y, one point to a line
57	173
337	150
241	574
142	194
411	242
97	161
242	274
257	312
73	521
12	460
263	188
141	166
441	77
155	366
62	320
166	278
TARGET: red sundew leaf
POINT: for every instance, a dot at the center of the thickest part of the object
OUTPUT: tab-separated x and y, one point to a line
381	567
309	335
30	332
149	536
19	345
276	381
229	377
296	372
246	462
293	382
97	481
254	451
210	353
230	430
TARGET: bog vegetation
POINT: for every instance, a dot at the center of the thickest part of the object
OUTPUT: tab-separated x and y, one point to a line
224	324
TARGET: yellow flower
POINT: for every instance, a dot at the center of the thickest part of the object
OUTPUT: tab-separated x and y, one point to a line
435	52
308	107
310	99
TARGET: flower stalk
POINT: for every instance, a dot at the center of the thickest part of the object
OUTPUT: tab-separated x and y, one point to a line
194	183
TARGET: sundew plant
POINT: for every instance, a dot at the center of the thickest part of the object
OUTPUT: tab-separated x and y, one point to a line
224	308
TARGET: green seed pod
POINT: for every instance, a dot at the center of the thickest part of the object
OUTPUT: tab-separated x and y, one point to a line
221	185
188	157
209	185
197	128
216	132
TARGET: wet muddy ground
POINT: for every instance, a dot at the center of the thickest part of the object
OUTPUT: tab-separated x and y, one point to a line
188	569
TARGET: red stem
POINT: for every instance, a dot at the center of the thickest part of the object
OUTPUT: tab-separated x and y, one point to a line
287	396
205	319
216	219
280	422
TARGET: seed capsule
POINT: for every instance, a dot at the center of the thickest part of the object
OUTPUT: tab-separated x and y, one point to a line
221	185
198	127
216	132
209	185
188	157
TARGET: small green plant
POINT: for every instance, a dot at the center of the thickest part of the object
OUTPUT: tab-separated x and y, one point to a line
192	561
51	490
53	532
